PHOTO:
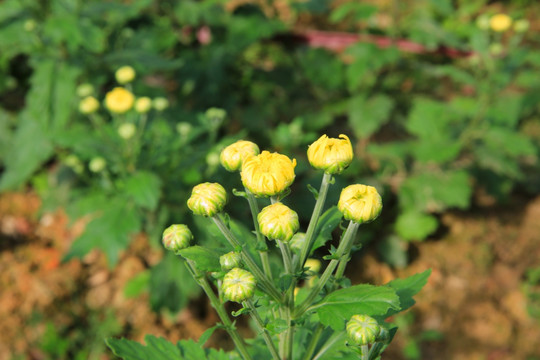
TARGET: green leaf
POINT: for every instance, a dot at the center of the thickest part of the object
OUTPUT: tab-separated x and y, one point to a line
393	251
325	226
137	284
358	11
144	188
338	307
155	349
366	116
204	258
413	225
406	289
110	230
507	112
507	141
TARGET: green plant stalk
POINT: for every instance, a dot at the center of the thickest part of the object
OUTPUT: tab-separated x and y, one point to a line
263	280
364	355
288	337
260	238
317	210
313	342
220	309
262	330
348	238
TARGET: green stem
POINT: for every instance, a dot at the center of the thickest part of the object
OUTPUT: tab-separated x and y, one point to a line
261	329
333	339
313	342
343	262
348	238
220	309
260	238
288	336
317	210
263	280
364	352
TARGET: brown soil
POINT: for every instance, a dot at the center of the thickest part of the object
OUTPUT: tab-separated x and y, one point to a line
475	298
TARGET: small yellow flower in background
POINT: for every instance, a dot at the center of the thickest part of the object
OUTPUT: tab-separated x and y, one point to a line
238	285
267	174
184	128
330	154
143	105
360	203
207	199
88	105
233	155
160	103
521	25
177	237
85	90
119	100
125	74
363	329
97	164
500	22
127	130
230	260
482	22
313	265
278	222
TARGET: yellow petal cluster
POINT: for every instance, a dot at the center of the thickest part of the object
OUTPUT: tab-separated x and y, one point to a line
143	105
500	22
119	100
177	237
207	199
330	154
363	330
268	174
238	285
88	105
278	222
233	155
125	74
360	203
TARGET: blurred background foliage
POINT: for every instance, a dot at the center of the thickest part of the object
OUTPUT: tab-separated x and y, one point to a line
443	110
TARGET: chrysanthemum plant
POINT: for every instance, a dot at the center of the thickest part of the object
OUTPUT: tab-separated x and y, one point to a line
299	311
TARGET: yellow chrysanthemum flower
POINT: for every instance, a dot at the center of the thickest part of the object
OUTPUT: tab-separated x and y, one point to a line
330	154
88	105
119	100
268	174
125	74
207	199
360	203
500	22
233	155
238	285
143	105
278	222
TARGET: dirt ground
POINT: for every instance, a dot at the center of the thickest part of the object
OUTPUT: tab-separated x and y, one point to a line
476	301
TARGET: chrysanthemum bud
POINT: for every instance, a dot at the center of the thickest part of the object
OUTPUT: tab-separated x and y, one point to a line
177	237
230	260
160	103
363	330
184	128
125	74
331	155
360	203
238	285
127	130
88	105
521	25
313	265
297	241
500	22
143	105
278	222
97	164
267	174
207	199
74	163
233	155
216	114
119	100
482	22
85	90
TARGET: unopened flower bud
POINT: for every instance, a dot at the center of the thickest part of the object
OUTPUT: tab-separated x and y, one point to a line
238	285
125	74
496	49
360	203
521	25
230	260
85	90
73	162
184	128
331	155
88	105
212	159
233	155
363	330
216	114
177	237
278	222
268	174
313	265
97	164
207	199
143	105
160	103
29	25
297	242
482	22
127	130
119	100
500	22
